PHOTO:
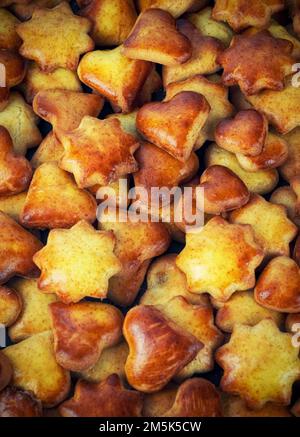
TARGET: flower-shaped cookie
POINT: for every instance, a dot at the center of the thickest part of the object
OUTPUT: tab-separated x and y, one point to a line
273	61
240	14
105	399
38	80
77	262
220	259
98	152
255	363
272	229
55	37
155	38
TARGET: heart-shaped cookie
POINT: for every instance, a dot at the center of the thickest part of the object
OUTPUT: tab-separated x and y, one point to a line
245	133
15	171
223	190
174	125
155	38
274	153
278	287
159	348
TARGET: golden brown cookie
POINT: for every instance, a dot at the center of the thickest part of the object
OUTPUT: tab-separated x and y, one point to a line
216	95
35	316
55	37
220	259
54	200
112	20
260	181
155	38
174	8
223	190
65	251
42	375
137	242
98	152
10	305
9	39
158	348
24	134
165	281
278	286
158	168
198	320
105	399
82	330
274	232
242	309
18	403
156	122
273	62
17	247
274	153
205	51
15	171
255	362
38	80
240	14
282	108
234	406
114	76
245	133
208	26
112	360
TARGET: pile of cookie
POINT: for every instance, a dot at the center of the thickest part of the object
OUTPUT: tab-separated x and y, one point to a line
103	318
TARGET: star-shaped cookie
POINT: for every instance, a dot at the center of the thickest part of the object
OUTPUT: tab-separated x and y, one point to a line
55	37
273	62
220	259
77	262
255	363
98	152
